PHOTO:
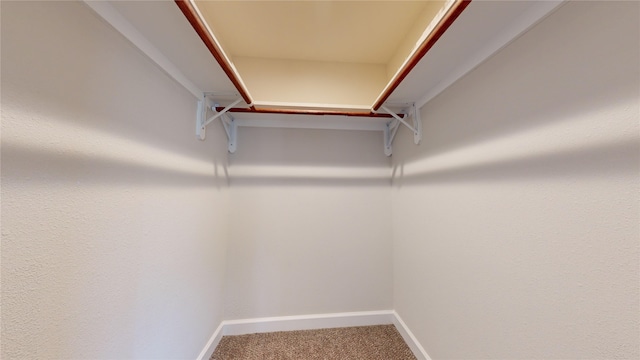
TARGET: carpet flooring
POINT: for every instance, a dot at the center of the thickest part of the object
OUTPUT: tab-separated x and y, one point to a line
380	342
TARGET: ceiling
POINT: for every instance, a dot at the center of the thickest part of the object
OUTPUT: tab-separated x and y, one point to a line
330	31
483	28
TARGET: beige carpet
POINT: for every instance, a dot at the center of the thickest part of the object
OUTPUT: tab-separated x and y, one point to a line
381	342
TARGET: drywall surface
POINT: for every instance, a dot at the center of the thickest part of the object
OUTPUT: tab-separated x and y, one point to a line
310	223
113	215
516	220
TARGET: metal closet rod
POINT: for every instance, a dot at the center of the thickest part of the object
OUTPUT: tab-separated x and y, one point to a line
307	112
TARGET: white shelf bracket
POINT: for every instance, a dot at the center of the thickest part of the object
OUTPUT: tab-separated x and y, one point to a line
392	127
390	131
231	128
230	125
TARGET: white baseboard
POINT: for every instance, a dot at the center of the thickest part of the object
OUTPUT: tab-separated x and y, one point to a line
409	338
211	345
309	322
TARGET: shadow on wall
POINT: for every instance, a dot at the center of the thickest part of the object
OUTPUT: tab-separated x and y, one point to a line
285	181
49	167
37	147
84	97
297	157
597	161
57	134
84	75
554	108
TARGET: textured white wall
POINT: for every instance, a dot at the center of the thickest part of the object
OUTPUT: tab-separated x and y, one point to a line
114	219
310	223
516	220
